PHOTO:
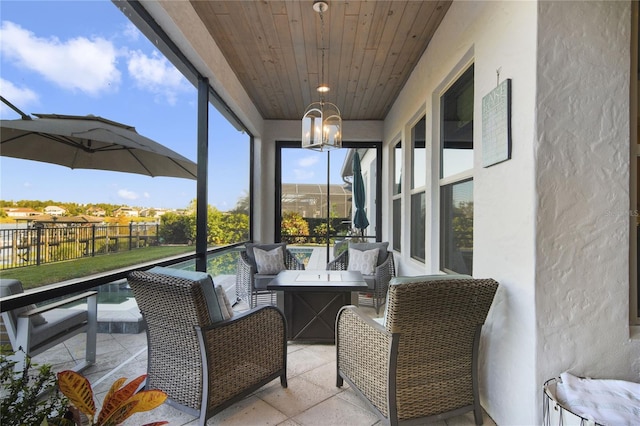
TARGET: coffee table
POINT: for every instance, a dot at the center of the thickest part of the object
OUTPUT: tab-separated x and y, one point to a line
310	301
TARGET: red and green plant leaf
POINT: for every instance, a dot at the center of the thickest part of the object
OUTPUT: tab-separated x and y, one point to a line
78	389
114	387
119	397
148	400
118	415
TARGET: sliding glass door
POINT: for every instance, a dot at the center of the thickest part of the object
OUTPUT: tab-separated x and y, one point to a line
314	202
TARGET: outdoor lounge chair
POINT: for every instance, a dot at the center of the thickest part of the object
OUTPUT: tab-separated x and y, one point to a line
382	271
418	363
252	276
202	355
32	330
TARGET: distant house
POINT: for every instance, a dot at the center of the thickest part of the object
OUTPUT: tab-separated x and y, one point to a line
96	211
154	213
55	211
126	212
20	212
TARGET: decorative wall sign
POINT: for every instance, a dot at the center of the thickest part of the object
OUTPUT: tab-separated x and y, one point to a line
496	125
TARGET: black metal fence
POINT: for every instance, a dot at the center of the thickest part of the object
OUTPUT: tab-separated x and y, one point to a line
38	245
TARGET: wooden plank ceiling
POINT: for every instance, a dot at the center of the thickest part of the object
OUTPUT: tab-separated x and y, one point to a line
275	49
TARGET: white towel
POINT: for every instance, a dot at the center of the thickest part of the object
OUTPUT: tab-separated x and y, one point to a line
608	402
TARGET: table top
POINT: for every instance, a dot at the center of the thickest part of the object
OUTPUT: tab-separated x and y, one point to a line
311	280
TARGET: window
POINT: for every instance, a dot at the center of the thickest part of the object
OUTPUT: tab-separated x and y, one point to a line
456	176
397	196
418	230
456	227
418	181
456	110
229	155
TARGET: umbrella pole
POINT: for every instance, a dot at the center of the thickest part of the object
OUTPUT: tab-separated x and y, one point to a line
328	199
15	108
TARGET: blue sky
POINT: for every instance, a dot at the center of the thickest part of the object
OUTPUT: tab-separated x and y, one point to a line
85	57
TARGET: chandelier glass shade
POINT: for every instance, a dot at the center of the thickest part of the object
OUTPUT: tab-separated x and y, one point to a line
322	127
321	122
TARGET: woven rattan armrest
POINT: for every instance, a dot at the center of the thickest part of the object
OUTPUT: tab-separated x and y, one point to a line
363	348
243	351
244	278
340	263
292	262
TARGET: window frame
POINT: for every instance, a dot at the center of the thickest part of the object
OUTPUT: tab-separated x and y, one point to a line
634	172
459	177
417	239
397	160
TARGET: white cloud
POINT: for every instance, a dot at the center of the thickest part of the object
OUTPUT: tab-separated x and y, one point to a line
20	97
308	161
87	65
127	195
131	32
157	75
146	195
301	175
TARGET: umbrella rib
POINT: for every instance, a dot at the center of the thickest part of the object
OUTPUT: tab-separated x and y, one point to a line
49	136
141	163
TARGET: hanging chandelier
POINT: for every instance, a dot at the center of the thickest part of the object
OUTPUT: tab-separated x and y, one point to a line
321	123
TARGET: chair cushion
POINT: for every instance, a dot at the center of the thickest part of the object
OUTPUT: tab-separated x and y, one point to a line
57	321
9	287
261	281
370	280
205	282
383	249
363	261
266	247
223	302
427	278
269	262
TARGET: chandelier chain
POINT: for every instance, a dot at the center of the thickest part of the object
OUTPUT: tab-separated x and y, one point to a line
322	82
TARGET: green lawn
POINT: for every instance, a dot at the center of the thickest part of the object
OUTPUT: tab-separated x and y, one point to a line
36	276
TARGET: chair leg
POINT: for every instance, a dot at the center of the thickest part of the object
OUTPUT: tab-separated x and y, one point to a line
477	413
339	380
283	380
22	343
92	329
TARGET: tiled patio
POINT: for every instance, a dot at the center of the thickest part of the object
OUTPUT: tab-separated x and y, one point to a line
310	399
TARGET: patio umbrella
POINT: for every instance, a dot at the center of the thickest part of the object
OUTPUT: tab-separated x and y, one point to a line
360	220
90	142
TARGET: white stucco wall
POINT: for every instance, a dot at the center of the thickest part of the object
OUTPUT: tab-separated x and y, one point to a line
582	180
542	220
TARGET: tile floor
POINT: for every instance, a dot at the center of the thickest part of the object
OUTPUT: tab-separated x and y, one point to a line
310	399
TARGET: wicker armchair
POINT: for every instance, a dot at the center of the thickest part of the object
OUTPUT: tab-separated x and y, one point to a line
251	286
205	363
378	282
419	363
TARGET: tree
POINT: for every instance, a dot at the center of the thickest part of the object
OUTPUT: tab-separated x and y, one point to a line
294	228
463	225
242	205
226	228
177	229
